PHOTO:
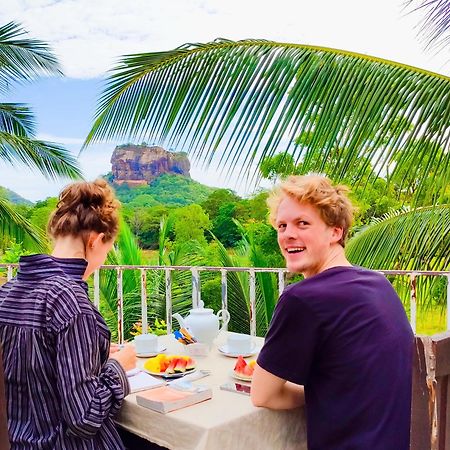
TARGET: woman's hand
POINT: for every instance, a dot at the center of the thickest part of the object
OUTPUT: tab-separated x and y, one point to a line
113	348
125	356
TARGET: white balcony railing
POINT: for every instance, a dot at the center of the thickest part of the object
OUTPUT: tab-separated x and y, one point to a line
196	279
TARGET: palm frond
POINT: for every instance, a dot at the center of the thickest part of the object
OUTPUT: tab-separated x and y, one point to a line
49	158
23	59
238	102
416	239
435	28
15	226
407	239
16	119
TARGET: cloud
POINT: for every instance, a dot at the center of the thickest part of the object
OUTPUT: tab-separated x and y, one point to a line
90	36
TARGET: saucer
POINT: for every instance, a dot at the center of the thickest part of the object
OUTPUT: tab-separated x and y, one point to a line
224	349
161	348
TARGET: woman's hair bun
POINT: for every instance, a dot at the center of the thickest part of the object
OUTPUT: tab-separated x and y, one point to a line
83	207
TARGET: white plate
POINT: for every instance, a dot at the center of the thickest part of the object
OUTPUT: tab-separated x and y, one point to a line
170	375
226	351
238	376
151	354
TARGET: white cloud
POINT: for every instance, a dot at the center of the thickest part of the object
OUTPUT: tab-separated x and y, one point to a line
89	36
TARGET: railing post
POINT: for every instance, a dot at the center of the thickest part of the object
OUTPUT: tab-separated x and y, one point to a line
224	285
413	302
195	287
168	278
10	273
144	301
280	282
120	305
97	289
252	283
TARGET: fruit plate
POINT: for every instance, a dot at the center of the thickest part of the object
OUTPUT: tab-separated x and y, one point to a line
170	375
241	376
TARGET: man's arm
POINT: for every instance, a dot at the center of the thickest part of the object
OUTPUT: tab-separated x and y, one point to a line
273	392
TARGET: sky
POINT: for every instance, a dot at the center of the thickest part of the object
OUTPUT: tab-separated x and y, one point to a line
89	36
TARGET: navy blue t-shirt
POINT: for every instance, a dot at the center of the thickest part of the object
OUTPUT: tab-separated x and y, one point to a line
344	335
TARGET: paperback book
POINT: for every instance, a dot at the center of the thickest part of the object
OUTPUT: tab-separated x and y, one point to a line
168	398
141	381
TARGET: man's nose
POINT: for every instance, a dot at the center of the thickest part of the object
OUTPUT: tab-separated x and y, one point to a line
289	231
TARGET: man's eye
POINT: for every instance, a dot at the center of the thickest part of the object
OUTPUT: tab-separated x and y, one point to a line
302	223
281	226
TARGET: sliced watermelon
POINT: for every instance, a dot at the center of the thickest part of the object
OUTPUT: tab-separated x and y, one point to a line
190	364
180	366
171	367
248	370
240	364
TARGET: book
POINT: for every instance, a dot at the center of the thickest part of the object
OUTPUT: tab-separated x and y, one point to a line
141	381
168	398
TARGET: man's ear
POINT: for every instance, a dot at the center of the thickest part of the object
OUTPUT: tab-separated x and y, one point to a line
336	234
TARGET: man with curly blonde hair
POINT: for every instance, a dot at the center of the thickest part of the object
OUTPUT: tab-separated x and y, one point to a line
339	341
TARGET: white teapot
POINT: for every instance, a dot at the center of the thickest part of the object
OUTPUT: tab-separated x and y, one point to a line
203	324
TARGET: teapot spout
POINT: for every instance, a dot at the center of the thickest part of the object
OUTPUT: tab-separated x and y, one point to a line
179	319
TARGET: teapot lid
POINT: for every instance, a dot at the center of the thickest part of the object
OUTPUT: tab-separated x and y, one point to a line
201	309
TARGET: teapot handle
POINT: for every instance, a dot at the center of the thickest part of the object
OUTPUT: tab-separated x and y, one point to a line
223	315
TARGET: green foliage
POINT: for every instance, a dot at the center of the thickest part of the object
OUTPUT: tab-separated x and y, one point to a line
224	227
216	199
13	252
190	223
41	213
175	190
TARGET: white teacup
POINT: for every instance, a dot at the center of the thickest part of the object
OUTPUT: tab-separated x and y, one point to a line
239	343
146	343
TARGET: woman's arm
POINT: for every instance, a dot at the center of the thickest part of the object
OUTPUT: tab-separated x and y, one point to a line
89	392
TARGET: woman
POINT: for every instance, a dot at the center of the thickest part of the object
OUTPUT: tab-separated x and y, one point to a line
62	388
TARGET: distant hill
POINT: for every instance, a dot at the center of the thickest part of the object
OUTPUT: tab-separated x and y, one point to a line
13	197
175	190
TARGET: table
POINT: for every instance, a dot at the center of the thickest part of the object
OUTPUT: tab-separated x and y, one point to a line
227	421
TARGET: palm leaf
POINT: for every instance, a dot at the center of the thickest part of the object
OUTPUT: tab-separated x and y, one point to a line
436	21
408	240
50	159
237	293
23	59
16	119
266	283
238	102
15	226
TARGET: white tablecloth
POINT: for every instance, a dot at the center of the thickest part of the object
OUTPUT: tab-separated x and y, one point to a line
227	421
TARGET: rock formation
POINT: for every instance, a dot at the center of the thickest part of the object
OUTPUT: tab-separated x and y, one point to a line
139	164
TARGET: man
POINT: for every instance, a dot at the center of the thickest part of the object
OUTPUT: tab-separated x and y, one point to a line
339	341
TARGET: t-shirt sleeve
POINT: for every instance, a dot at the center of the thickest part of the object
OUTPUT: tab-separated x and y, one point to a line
291	341
90	392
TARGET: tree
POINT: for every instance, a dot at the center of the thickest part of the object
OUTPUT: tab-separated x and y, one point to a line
225	99
354	115
21	60
224	227
216	199
190	223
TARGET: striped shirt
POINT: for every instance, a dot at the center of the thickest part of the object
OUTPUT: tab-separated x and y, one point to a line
62	390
